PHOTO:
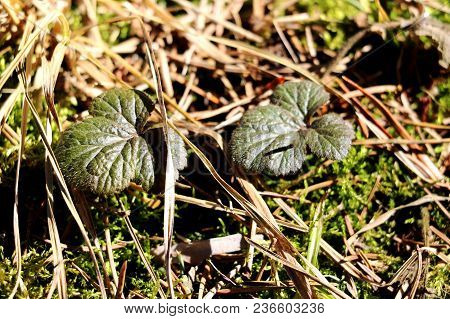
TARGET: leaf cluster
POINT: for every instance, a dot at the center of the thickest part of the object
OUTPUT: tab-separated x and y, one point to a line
274	138
103	154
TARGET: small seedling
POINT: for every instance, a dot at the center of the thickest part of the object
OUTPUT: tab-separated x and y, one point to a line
103	154
273	138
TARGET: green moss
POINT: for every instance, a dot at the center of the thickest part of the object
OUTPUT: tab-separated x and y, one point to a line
356	177
438	281
441	105
113	33
36	274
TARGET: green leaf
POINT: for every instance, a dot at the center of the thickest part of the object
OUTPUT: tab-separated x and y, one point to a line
300	98
330	137
105	153
124	106
273	139
268	140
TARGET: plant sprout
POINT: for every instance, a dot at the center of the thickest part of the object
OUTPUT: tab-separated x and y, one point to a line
274	138
103	154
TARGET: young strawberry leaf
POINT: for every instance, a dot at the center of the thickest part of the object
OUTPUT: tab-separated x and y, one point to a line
300	98
273	139
105	153
330	137
269	140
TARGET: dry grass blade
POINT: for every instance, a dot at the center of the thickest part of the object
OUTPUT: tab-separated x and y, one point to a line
51	69
169	187
50	74
289	264
340	260
221	283
97	73
401	155
8	106
261	205
285	41
49	81
10	134
291	213
265	55
6	4
316	272
198	39
301	283
397	125
59	274
231	26
400	141
24	71
423	162
385	216
440	234
17	245
144	259
63	186
121	283
86	218
26	47
139	75
84	275
109	251
209	204
429	125
404	270
91	12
